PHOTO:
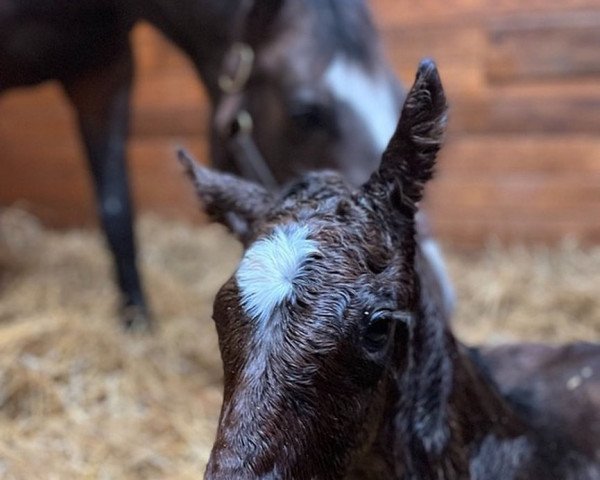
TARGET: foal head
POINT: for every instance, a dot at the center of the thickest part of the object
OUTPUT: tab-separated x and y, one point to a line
314	326
320	92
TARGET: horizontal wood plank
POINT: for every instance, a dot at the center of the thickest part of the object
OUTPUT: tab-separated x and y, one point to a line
543	194
155	53
549	107
543	46
462	12
500	155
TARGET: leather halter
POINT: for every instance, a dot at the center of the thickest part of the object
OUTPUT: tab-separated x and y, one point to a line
238	64
243	55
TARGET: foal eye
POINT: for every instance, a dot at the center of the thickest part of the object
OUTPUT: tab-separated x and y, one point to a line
380	327
378	330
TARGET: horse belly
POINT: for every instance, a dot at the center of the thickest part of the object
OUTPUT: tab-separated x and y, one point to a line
54	40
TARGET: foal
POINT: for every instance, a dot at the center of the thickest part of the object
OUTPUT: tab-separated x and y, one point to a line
336	363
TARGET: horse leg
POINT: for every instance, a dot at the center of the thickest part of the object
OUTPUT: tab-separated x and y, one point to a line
101	98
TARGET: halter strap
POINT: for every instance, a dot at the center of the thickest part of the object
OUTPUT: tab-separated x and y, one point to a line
237	67
246	154
238	61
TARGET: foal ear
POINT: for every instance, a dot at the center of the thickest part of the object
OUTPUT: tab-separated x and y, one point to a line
407	163
236	203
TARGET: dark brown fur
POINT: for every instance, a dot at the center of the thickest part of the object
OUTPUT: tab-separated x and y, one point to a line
555	386
358	375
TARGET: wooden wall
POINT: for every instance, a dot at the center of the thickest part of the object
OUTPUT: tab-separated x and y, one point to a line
522	160
523	156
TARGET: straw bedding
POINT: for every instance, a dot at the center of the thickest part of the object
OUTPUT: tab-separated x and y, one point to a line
81	399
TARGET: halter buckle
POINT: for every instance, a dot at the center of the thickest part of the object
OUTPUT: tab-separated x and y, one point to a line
243	124
240	59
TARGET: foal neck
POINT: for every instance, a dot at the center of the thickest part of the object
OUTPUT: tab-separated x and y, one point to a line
447	404
455	408
441	412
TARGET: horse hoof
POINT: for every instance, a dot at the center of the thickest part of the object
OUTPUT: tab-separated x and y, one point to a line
136	319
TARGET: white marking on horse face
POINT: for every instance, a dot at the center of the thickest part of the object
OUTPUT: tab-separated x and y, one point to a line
372	97
270	267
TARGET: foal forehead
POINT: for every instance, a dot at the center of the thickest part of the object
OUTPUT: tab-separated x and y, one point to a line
318	218
273	268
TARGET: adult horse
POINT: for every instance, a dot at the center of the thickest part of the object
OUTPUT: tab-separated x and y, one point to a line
295	85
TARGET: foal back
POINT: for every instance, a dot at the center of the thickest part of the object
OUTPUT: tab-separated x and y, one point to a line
556	386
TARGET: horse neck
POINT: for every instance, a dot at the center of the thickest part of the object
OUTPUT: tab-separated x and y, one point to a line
448	405
201	28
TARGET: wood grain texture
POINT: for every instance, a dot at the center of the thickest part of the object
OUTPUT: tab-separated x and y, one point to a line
522	159
544	46
464	12
503	155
